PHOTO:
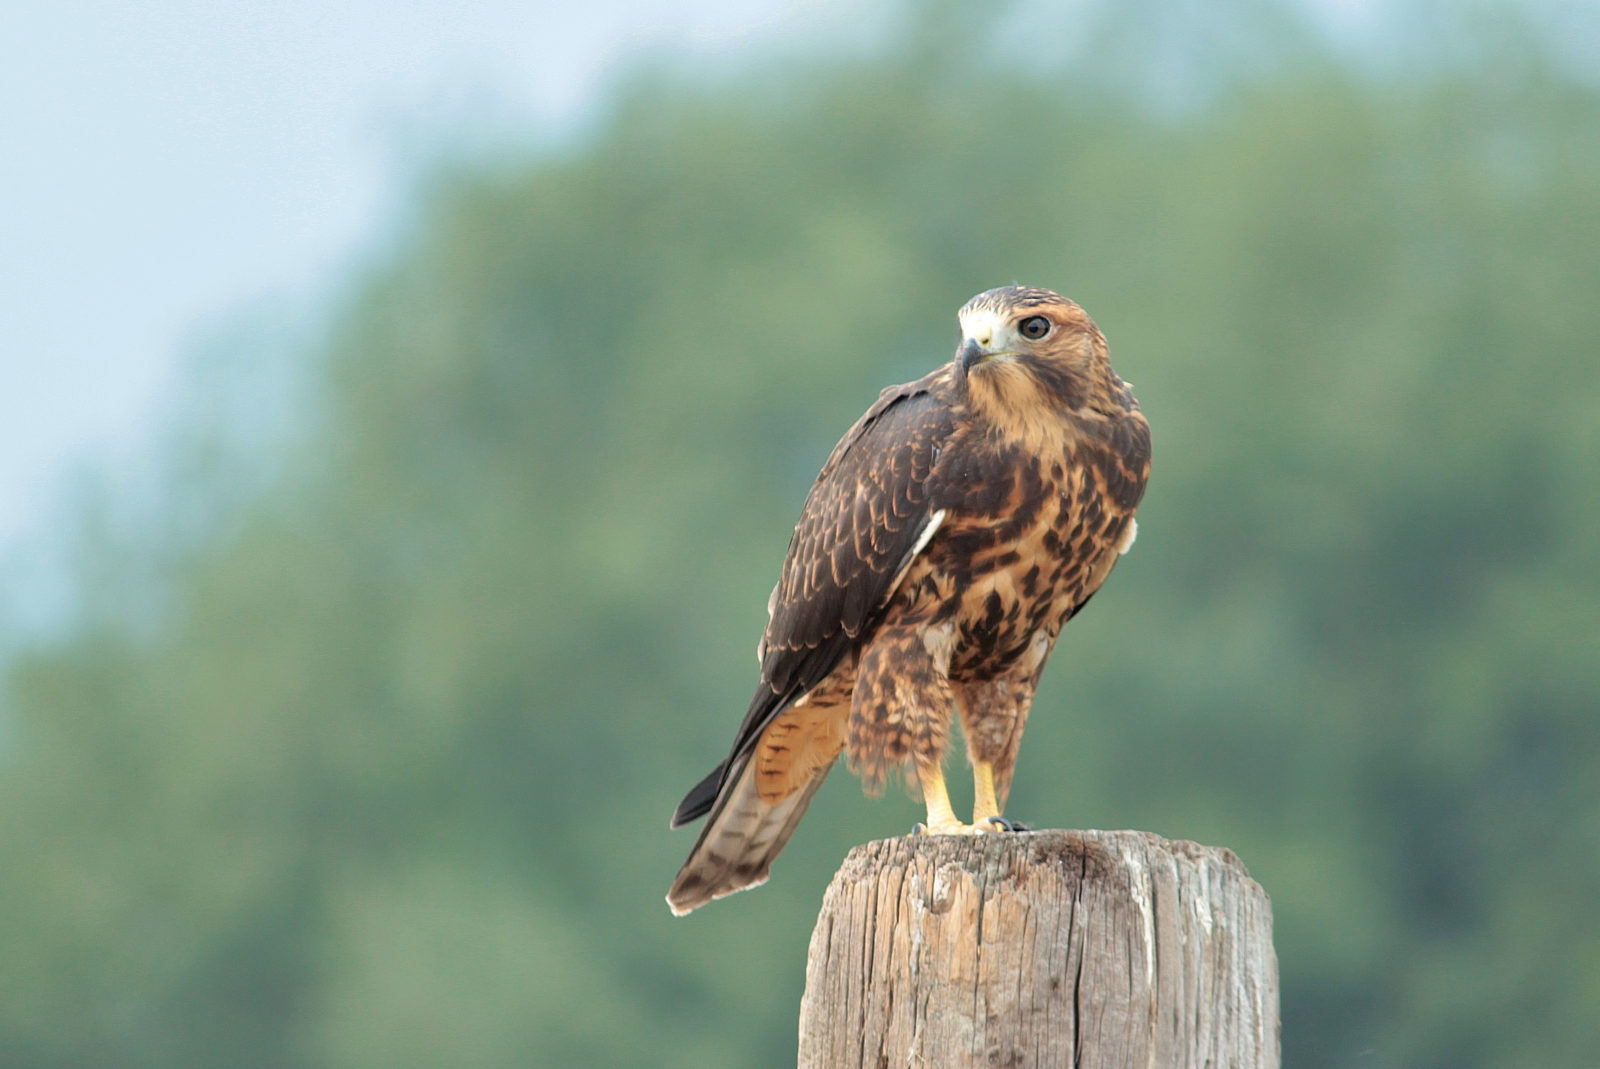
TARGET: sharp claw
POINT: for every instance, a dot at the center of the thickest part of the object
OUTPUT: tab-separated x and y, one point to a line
1002	824
919	828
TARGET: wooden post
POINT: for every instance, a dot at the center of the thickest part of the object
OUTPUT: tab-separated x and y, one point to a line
1057	948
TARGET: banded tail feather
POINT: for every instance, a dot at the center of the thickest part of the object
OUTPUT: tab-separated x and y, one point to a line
740	839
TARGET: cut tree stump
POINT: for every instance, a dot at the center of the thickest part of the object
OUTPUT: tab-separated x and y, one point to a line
1055	948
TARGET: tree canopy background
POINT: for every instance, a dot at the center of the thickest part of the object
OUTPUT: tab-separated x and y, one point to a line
360	746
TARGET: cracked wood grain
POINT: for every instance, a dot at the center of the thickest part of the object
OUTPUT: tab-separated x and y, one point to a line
1089	949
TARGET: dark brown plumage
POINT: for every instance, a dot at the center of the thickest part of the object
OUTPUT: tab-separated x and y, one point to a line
953	530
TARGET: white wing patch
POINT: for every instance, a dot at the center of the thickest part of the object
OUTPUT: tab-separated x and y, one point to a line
922	543
1128	537
772	603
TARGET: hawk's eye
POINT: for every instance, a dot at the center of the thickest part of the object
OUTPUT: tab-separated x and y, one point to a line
1034	327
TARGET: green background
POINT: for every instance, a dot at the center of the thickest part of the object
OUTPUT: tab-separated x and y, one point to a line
359	747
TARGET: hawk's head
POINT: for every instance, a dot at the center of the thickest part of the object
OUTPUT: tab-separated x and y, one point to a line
1021	345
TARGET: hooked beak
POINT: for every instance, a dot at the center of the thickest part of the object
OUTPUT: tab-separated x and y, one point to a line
971	353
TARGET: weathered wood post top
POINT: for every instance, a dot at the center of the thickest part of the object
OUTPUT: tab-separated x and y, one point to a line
1055	948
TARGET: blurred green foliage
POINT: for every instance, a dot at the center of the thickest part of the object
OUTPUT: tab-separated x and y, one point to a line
386	784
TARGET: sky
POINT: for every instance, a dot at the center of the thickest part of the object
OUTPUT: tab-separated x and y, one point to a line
165	166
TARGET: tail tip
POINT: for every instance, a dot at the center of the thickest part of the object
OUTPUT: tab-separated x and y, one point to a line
686	897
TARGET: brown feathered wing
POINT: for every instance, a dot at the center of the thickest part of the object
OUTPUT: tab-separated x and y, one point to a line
867	515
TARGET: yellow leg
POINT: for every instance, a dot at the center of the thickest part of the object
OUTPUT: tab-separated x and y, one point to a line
984	805
941	818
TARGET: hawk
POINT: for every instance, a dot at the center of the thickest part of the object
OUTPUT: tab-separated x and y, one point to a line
952	532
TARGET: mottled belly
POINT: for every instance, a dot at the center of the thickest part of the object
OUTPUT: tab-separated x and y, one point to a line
1001	595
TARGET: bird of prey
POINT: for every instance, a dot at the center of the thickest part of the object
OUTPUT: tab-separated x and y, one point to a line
952	532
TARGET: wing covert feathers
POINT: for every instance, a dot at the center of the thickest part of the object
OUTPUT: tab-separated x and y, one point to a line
861	524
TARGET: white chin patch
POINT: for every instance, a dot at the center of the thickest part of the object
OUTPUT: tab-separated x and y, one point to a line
1128	536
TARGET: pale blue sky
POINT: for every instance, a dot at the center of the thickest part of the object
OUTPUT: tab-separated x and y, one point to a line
163	165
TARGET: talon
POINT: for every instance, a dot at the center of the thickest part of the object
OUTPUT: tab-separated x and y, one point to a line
919	828
1002	824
